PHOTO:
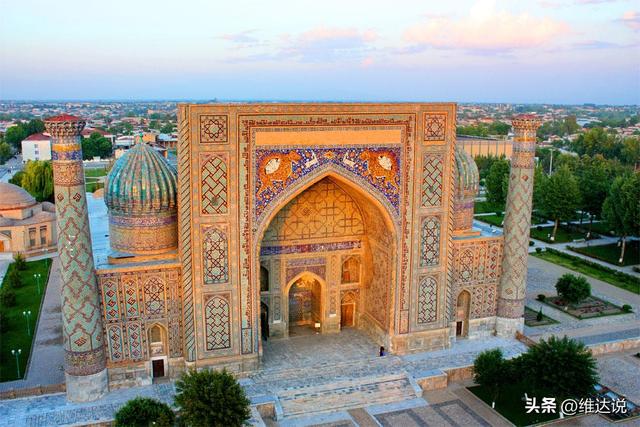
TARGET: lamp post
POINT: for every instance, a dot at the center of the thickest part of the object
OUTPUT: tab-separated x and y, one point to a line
17	353
37	277
27	315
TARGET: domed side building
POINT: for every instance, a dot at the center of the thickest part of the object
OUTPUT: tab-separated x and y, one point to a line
26	226
289	219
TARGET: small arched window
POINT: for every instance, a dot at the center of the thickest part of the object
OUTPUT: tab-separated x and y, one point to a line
351	270
264	279
155	335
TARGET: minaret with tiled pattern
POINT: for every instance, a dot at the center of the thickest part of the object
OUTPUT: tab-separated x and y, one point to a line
517	222
85	363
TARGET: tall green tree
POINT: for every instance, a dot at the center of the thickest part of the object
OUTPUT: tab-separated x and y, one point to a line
210	398
621	208
495	182
594	181
631	152
96	146
14	136
490	370
38	179
5	152
539	180
560	197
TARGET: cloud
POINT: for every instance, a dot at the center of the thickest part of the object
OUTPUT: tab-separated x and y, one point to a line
631	19
485	30
242	39
597	44
551	4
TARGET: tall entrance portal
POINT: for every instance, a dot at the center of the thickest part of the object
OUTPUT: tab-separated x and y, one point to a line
327	262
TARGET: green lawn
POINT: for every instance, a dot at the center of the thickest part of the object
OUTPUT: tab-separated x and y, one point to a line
27	298
611	253
486	207
531	318
497	220
600	227
563	235
616	278
94	172
510	404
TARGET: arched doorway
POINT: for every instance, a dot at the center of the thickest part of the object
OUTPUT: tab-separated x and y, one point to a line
305	305
344	234
348	310
157	339
462	314
264	321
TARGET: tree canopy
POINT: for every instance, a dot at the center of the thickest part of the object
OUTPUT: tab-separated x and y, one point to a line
497	182
96	146
15	134
37	179
560	197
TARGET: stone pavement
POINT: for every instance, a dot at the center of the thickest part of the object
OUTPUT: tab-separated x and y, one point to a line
47	356
4	265
319	382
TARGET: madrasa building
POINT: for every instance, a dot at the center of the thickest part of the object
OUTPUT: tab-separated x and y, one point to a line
283	220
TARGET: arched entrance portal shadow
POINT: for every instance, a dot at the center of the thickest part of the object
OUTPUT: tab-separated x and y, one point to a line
380	267
319	297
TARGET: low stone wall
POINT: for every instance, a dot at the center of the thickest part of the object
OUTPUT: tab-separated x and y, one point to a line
33	391
614	346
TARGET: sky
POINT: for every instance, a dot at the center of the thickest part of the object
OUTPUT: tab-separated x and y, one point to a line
534	51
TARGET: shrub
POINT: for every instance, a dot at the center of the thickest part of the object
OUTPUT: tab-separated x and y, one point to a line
143	412
19	261
541	297
626	308
14	279
559	367
539	316
573	288
489	371
7	297
211	398
4	322
538	250
531	243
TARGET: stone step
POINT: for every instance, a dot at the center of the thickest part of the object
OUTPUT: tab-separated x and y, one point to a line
345	394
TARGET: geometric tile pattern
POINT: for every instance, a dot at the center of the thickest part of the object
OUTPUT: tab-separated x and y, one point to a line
430	241
321	211
131	298
434	126
111	306
213	129
217	324
214	186
81	312
432	167
427	300
154	296
114	333
136	347
215	254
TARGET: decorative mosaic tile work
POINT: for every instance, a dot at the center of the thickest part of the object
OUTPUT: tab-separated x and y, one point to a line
111	305
154	296
216	257
217	323
213	129
427	300
434	126
432	168
214	185
312	247
114	334
430	242
136	347
278	168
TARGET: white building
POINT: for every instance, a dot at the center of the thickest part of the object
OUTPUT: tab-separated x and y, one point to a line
36	147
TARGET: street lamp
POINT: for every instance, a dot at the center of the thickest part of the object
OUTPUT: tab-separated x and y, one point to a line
17	353
27	315
37	277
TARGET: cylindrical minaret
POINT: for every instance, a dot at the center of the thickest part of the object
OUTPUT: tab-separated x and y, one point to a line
85	363
517	222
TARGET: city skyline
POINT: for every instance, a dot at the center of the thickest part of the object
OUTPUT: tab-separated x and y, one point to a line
550	52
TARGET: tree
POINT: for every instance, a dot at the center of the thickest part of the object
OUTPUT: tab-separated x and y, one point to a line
34	126
560	197
594	181
211	398
16	179
5	152
96	146
560	368
621	208
539	180
167	128
573	288
490	370
14	136
38	180
7	297
144	412
631	152
19	261
495	182
14	279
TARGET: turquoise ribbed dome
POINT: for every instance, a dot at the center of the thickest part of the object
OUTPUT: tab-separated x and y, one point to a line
467	176
141	182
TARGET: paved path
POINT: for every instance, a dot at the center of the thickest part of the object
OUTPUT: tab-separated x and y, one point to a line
4	265
541	279
47	356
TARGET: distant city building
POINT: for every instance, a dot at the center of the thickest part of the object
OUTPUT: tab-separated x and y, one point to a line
36	147
26	226
86	133
480	146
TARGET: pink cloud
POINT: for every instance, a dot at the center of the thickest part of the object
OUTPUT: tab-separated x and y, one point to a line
486	30
631	19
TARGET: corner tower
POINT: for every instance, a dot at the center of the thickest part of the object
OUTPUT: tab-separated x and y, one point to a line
85	366
512	289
